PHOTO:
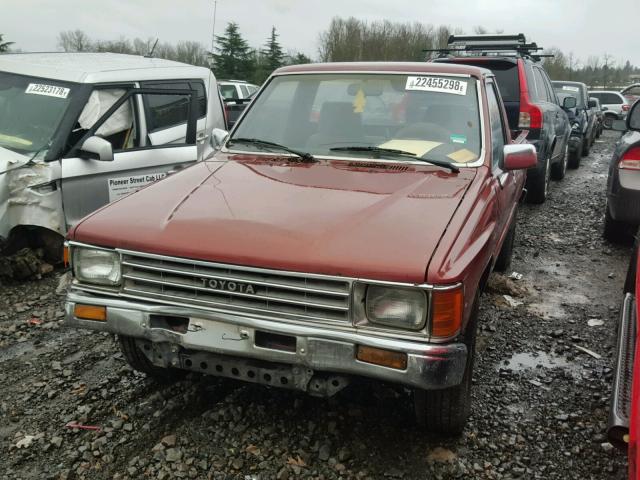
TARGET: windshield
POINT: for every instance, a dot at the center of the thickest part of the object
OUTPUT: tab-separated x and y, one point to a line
570	89
435	116
30	111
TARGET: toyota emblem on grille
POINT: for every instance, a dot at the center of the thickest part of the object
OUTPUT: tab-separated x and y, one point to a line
227	286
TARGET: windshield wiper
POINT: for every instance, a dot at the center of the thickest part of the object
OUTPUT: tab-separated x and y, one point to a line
304	156
394	151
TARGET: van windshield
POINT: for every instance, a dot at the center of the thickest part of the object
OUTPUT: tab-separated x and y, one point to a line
431	116
31	110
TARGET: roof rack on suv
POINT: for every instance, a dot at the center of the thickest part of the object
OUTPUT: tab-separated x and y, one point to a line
490	45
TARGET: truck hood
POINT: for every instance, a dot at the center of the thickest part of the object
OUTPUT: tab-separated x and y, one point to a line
349	218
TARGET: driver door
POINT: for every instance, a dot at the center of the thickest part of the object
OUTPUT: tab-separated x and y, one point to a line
88	182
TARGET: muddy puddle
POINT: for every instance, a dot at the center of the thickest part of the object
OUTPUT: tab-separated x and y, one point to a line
522	362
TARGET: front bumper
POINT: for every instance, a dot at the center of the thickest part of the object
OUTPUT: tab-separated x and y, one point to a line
317	349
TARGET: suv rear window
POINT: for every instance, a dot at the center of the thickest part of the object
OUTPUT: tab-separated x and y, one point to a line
508	81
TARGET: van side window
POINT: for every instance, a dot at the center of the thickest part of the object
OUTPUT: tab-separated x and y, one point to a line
497	126
165	111
120	129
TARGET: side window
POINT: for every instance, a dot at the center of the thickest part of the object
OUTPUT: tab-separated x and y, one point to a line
547	83
165	111
543	94
228	92
244	90
612	99
497	126
120	129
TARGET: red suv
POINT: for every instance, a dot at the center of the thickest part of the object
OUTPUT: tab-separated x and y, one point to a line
528	97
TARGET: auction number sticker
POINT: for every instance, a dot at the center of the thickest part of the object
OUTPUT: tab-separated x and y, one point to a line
437	84
570	88
47	90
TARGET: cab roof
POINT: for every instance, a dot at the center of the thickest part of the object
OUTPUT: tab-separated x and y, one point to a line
97	67
386	67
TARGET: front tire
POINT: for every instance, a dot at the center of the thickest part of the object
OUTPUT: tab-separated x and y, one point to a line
503	262
586	147
538	183
446	411
608	121
138	361
575	156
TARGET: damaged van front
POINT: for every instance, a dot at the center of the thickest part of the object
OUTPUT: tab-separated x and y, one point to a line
32	120
80	130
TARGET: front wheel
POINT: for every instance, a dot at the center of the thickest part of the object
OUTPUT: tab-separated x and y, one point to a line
538	183
575	156
139	361
608	122
503	262
586	146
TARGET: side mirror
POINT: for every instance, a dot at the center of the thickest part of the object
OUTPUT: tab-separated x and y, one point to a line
592	103
218	136
97	148
518	157
569	102
633	119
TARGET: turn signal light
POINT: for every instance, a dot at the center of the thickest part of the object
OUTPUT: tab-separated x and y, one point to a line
385	358
90	312
631	159
446	319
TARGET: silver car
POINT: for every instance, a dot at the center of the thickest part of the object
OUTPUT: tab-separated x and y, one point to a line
614	105
80	130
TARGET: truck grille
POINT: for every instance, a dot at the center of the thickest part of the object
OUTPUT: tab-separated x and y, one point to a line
236	289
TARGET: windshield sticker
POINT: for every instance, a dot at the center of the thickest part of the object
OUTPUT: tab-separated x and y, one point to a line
359	102
417	147
436	84
570	88
122	186
462	156
458	139
47	90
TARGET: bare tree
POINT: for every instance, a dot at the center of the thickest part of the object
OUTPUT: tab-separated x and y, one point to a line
74	41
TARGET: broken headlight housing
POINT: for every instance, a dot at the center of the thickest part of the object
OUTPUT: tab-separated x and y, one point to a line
396	307
97	266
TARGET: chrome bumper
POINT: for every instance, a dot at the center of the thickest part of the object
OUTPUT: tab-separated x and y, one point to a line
317	349
620	412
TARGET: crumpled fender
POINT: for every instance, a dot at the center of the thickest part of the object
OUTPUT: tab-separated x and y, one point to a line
21	203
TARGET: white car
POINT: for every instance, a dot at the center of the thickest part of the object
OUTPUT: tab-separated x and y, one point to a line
236	89
614	105
80	130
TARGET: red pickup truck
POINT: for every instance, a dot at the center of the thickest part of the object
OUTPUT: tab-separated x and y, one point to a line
346	227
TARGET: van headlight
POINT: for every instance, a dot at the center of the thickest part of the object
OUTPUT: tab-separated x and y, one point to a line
101	267
396	306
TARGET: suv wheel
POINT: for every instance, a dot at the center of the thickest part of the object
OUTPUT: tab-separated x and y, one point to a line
538	183
586	146
446	411
575	156
608	121
559	169
615	231
138	361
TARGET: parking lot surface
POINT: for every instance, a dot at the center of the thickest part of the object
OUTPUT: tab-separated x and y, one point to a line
541	383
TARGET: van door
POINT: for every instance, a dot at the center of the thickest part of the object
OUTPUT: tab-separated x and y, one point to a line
88	182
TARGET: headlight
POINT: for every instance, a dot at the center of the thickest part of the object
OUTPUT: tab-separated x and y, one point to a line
396	307
101	267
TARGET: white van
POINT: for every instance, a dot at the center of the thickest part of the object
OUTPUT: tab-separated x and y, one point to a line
79	130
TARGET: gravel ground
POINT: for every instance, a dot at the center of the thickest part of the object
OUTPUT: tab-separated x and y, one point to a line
540	404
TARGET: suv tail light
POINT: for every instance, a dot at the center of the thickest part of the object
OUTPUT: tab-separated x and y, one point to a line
626	107
530	115
630	160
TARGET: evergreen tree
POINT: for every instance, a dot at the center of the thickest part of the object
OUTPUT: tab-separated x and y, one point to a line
233	57
273	56
4	46
298	59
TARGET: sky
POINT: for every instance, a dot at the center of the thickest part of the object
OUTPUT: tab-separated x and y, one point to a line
584	27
